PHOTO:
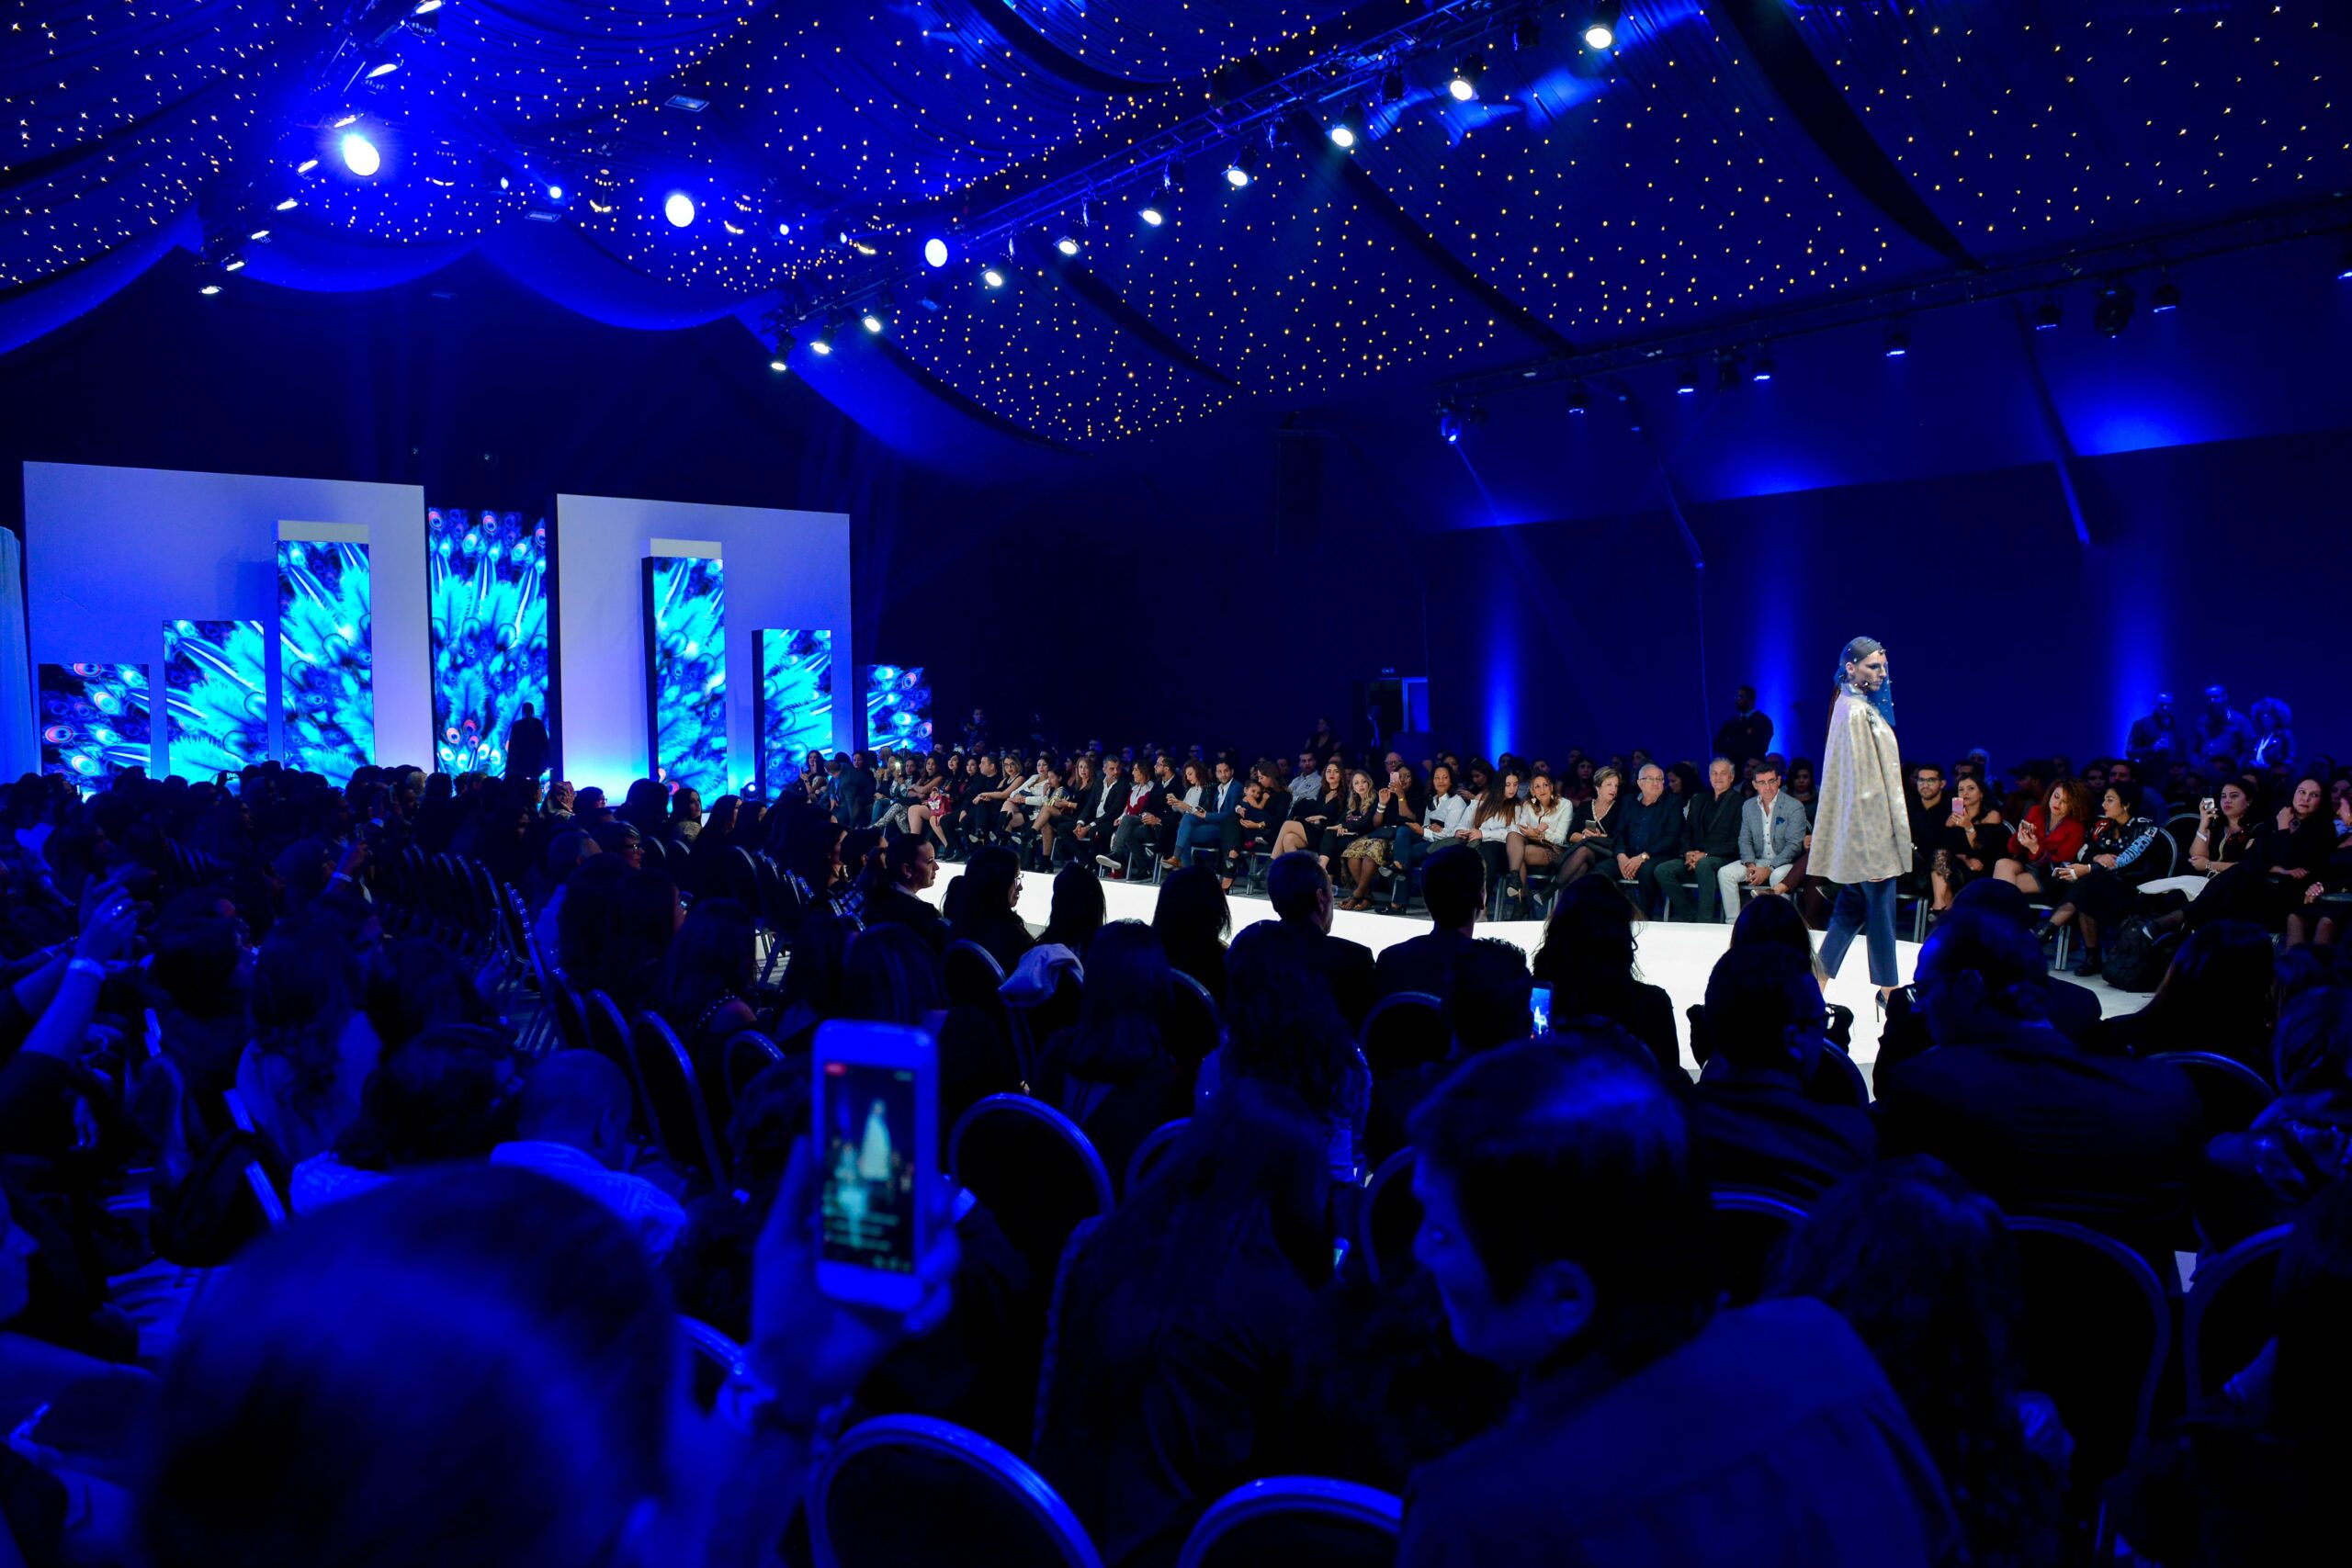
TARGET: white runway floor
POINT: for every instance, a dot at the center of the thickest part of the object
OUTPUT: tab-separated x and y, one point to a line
1677	956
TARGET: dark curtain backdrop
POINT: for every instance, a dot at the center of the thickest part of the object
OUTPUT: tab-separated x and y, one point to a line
1229	580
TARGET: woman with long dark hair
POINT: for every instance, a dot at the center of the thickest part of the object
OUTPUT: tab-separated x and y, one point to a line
1111	1072
2096	887
706	979
1588	960
1194	919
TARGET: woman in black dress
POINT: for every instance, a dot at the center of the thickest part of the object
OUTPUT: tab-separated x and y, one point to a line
2099	884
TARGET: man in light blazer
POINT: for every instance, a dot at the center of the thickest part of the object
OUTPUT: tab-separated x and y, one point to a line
1771	832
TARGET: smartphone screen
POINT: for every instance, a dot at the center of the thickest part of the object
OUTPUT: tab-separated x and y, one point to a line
1541	1002
869	1183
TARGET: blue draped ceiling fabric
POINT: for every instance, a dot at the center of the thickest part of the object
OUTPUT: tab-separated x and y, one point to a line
1725	157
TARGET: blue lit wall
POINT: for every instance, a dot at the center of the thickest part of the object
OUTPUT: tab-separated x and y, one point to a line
326	671
685	672
215	689
897	707
94	720
796	713
489	592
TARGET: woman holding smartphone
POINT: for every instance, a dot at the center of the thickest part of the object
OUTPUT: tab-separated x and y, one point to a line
1395	805
2051	835
1196	793
1968	843
1592	831
2102	882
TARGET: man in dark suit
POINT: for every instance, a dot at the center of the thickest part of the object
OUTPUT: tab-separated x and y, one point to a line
911	865
1453	886
527	745
852	791
1100	805
1300	890
1747	736
2033	1120
1203	828
1750	1117
1567	1230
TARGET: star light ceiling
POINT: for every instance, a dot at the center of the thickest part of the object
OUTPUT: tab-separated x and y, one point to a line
1661	182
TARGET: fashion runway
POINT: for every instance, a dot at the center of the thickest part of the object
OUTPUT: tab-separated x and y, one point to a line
1676	956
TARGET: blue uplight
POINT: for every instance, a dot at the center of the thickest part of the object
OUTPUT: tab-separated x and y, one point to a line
679	209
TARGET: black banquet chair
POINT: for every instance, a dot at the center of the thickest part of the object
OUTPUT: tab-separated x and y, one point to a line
1148	1153
1284	1521
1403	1032
1038	1175
1750	1228
2096	1332
971	975
674	1102
2228	1317
2233	1093
1386	1218
747	1055
1195	1026
902	1490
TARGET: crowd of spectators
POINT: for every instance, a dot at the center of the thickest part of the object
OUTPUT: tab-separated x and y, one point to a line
322	1249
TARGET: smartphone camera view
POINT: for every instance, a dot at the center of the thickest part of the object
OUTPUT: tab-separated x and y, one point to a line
1540	1004
869	1186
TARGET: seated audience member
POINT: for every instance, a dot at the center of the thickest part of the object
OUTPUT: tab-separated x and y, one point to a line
1711	824
910	866
1492	816
1971	841
1446	820
2218	995
1281	1025
646	915
2096	887
1537	833
2073	1010
2285	855
312	1046
1397	806
1252	827
1569	1236
565	852
2031	1119
1592	831
1111	1073
1923	1270
1137	829
2255	1473
1771	832
812	981
2226	824
446	1097
1750	1116
1180	1319
2301	1144
2051	836
1205	816
989	914
1652	834
1926	803
706	980
574	1127
1490	1006
1077	911
1588	960
1100	805
1194	920
686	814
620	841
1315	812
501	1384
1300	894
1453	886
202	969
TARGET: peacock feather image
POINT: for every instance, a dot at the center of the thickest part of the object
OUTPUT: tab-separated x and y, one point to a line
94	720
216	691
686	672
326	669
488	580
796	702
898	708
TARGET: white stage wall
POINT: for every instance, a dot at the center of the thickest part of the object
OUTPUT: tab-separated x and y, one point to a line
781	569
111	553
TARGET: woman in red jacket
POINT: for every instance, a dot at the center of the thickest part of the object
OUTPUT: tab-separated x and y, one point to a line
2052	834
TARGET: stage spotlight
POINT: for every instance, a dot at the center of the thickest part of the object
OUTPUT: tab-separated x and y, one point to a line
209	288
934	252
1898	342
2113	313
679	209
875	320
1348	130
424	23
306	166
1760	368
1448	423
555	193
424	7
2344	265
1244	166
234	261
383	68
1579	398
2047	315
1600	29
992	275
820	342
288	203
1067	244
1154	209
779	359
260	233
2166	298
360	155
1686	381
1391	85
1464	84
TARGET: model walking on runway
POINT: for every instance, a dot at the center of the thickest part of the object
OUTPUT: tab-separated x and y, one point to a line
1861	833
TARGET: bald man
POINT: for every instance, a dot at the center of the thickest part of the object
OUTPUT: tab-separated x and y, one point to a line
575	1128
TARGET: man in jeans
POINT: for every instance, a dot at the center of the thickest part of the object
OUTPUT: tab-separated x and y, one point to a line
1710	841
1772	832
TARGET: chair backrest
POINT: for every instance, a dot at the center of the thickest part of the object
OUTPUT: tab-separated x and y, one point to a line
971	975
749	1053
1285	1520
1156	1143
717	1360
2164	856
1386	1219
1195	1027
571	1018
1036	1172
2097	1333
974	1502
2233	1093
1404	1031
608	1037
674	1100
656	854
2229	1317
1749	1230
